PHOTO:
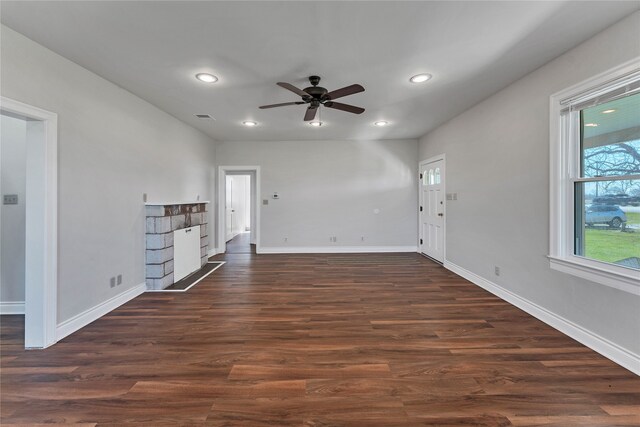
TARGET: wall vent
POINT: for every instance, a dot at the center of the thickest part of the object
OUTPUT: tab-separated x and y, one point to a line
203	116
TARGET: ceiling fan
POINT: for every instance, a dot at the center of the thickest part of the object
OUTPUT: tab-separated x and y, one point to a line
316	96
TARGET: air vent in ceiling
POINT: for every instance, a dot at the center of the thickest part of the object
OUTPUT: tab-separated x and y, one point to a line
203	116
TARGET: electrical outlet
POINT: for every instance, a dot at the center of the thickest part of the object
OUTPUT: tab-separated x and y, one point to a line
497	270
144	197
119	282
112	282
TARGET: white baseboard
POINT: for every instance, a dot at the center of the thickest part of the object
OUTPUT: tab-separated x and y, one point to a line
608	349
333	249
12	307
81	320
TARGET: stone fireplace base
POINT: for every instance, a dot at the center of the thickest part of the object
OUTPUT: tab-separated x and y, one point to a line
162	220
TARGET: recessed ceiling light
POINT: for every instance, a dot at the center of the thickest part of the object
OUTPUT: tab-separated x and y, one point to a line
381	123
250	123
315	123
609	111
420	78
591	125
206	77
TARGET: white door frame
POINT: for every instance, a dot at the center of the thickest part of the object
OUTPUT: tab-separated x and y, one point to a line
41	254
222	189
444	190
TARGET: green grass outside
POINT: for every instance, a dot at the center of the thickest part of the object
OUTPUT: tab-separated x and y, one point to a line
612	245
633	218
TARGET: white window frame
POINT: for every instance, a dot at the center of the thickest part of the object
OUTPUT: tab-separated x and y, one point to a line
565	171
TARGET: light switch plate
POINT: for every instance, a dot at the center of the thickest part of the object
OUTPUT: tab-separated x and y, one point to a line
10	199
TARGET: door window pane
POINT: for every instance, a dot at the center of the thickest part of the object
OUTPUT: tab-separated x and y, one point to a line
437	178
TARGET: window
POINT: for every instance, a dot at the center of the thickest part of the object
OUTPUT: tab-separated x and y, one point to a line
595	179
437	181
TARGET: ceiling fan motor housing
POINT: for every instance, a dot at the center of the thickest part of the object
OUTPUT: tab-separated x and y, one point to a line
315	91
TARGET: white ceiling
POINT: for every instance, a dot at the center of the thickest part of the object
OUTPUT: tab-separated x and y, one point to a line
154	49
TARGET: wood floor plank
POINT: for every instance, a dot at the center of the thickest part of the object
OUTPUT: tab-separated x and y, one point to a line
214	389
307	340
261	372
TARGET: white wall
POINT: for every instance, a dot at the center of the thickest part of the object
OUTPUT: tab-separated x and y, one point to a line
498	163
13	134
113	147
331	188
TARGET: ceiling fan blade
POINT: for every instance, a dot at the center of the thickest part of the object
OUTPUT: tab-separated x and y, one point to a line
293	89
344	107
310	114
282	105
339	93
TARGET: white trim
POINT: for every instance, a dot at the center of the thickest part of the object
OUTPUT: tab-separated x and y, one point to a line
437	158
212	252
220	264
41	282
608	349
563	171
334	249
81	320
583	269
222	189
187	202
12	307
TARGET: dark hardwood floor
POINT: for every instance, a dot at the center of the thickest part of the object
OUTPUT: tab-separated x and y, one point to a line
316	340
241	244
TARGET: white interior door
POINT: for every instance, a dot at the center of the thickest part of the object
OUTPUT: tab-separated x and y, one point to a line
229	209
432	209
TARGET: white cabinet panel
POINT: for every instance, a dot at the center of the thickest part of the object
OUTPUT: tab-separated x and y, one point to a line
186	252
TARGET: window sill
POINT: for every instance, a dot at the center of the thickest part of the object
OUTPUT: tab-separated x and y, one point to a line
628	280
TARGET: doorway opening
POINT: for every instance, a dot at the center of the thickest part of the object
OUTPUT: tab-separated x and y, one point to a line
238	210
238	213
431	227
29	252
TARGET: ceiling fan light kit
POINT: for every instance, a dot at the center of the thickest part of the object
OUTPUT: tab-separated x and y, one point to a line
316	96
